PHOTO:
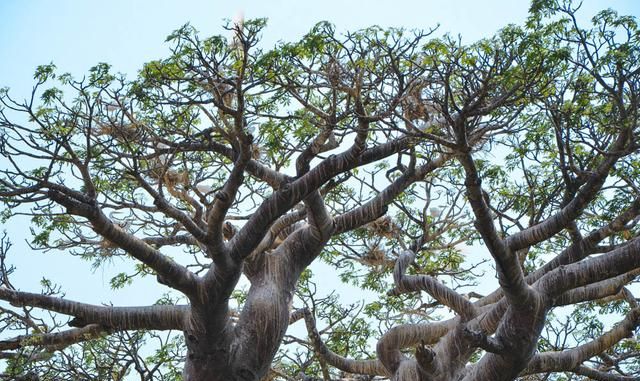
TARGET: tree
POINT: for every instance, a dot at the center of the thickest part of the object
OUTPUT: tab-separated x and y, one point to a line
384	153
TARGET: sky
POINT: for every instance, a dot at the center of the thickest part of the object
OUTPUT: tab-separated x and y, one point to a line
75	35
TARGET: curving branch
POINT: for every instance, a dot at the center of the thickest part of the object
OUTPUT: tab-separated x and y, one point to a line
571	359
440	292
321	223
390	346
558	221
368	367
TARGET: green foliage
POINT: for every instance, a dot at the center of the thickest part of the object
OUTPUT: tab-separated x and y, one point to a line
44	73
538	110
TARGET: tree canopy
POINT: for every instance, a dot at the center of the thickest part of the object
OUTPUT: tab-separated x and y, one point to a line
417	167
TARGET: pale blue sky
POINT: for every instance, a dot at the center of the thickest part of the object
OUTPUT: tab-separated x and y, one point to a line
76	35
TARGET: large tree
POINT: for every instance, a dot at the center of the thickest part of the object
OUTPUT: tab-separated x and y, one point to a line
418	167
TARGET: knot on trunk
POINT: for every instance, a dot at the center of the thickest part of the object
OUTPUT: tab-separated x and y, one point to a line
425	358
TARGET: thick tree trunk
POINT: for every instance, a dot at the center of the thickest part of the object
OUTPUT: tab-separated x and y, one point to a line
219	350
518	332
208	339
243	352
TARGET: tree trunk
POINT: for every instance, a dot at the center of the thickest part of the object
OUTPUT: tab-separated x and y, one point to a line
220	350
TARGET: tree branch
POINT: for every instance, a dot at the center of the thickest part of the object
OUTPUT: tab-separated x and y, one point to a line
619	261
574	208
597	375
440	292
170	272
596	290
116	318
369	367
510	275
57	340
572	358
